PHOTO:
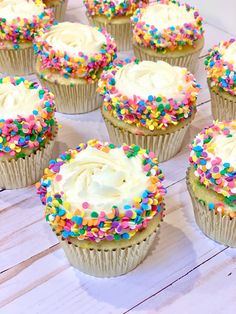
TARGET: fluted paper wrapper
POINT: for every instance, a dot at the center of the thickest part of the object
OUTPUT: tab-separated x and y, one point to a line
223	106
17	62
23	172
59	10
122	33
79	98
108	262
221	229
188	60
165	146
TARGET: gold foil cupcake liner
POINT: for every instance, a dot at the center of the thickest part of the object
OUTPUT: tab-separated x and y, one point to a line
223	105
17	62
23	172
165	146
122	33
72	99
59	7
221	229
110	261
187	60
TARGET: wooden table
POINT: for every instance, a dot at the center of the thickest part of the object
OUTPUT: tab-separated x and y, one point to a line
185	272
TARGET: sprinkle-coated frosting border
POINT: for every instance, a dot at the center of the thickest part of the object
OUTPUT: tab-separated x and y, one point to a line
156	112
27	132
220	72
171	38
23	30
75	66
119	223
213	172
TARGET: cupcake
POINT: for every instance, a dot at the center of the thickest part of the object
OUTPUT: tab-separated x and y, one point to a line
114	16
70	58
221	76
59	7
19	21
168	31
105	204
27	132
211	181
148	103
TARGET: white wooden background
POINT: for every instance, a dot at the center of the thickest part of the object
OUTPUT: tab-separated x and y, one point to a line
185	272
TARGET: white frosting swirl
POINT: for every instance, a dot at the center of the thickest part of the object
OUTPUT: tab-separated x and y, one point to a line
101	179
152	78
11	9
229	54
17	100
163	16
74	38
225	147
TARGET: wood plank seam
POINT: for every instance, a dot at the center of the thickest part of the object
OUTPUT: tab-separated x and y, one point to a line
181	277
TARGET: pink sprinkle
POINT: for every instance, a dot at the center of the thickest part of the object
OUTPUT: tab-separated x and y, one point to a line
85	205
147	167
58	177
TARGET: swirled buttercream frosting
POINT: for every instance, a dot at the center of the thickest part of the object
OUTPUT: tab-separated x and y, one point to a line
12	9
221	66
102	192
152	78
167	25
26	116
17	100
21	19
213	156
75	50
74	38
152	95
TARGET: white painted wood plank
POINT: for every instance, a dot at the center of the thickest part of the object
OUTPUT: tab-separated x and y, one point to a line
209	289
180	248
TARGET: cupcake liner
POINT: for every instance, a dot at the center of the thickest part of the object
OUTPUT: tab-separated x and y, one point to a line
17	62
59	9
122	33
187	60
164	145
221	229
223	105
23	172
72	99
110	261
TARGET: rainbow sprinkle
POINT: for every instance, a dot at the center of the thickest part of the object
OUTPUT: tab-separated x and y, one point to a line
30	132
221	73
111	8
156	112
116	224
171	38
213	172
22	30
75	66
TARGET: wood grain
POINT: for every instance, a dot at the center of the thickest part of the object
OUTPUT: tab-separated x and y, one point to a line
184	273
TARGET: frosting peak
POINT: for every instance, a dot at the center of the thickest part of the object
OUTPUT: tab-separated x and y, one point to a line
152	95
75	38
163	16
24	9
17	100
102	192
221	66
167	25
75	50
102	179
152	78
